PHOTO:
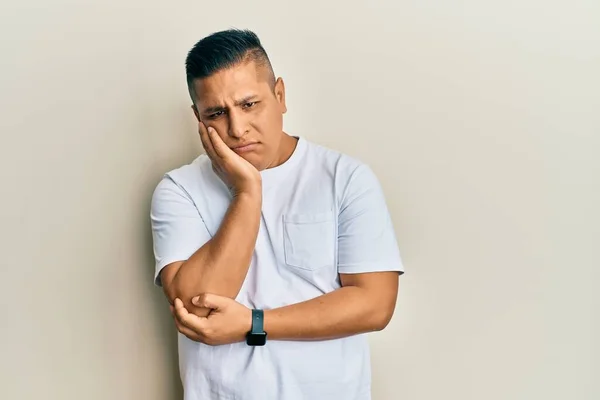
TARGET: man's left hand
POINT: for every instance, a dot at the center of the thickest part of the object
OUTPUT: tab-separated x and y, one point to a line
228	321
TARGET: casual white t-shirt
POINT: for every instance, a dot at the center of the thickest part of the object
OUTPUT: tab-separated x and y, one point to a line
323	213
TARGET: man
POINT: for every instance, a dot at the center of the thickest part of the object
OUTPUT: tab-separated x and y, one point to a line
276	254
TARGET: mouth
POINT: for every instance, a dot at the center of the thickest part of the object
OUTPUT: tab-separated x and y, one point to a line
245	147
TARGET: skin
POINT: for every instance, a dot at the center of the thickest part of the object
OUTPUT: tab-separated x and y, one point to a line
234	107
243	105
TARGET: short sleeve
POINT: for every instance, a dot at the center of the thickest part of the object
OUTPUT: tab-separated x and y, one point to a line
178	230
366	237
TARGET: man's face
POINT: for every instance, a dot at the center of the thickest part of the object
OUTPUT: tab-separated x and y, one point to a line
247	113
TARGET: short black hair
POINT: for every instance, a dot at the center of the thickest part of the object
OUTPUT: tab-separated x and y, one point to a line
224	49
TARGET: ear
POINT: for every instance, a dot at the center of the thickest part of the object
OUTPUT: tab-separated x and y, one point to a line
196	112
280	94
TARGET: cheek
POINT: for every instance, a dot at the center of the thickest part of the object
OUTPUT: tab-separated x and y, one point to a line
273	118
260	121
267	122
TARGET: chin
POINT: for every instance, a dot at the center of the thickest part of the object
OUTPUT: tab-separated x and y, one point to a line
255	160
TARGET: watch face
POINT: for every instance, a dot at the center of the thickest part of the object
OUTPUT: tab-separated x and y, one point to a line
256	339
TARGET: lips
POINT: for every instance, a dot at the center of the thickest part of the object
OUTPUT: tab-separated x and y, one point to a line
245	147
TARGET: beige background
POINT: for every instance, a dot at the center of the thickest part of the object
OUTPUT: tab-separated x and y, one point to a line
481	118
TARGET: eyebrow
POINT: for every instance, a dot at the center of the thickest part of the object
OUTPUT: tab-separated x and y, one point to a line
242	101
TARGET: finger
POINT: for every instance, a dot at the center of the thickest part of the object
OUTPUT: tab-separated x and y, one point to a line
206	142
189	333
219	145
188	319
208	300
177	303
179	310
203	300
183	320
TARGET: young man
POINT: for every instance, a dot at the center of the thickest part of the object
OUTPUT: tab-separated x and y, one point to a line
276	254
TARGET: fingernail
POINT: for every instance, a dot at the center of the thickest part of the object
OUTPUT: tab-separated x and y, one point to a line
195	299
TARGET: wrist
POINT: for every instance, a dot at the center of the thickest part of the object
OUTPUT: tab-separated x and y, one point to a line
272	323
252	187
246	323
253	196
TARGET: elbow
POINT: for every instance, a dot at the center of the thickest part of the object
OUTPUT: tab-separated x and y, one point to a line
181	292
185	294
172	293
176	290
381	318
171	282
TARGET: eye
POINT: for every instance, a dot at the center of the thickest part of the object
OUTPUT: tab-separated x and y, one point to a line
250	104
215	115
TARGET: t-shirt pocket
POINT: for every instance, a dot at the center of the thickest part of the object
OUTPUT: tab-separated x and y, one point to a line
309	240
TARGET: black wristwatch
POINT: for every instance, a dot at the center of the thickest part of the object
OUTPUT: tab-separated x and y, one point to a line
257	336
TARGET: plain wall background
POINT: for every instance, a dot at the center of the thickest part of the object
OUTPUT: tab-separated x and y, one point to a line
481	119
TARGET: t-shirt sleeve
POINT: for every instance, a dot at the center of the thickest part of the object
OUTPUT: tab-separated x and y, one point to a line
366	237
178	230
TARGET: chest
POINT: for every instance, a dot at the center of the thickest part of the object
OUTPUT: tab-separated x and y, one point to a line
295	255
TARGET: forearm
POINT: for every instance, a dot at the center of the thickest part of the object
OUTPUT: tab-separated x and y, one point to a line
347	311
221	264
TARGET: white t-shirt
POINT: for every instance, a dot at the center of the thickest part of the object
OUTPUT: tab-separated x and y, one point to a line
323	213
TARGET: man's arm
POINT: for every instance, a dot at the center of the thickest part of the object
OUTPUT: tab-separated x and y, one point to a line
221	263
364	303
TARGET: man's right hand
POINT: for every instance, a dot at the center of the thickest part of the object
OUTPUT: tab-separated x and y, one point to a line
237	173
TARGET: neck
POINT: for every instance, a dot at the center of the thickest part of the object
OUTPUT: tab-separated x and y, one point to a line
286	149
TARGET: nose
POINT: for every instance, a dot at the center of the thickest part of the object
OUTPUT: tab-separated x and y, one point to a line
237	125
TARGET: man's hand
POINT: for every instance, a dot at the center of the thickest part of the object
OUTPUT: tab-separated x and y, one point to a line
237	173
228	321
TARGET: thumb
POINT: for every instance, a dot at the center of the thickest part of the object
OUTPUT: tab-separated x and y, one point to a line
208	300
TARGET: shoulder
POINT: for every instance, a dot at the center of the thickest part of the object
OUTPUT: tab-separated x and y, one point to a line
327	157
183	181
192	172
342	167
